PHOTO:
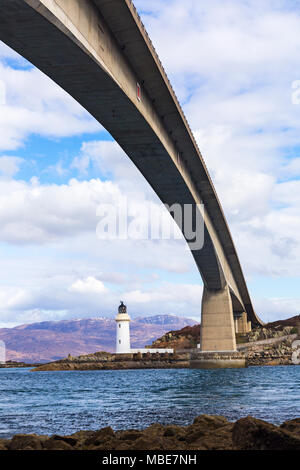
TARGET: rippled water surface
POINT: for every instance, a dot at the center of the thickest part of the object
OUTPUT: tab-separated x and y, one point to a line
64	402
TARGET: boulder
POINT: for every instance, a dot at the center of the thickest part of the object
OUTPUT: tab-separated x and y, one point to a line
292	426
219	439
147	443
130	435
100	437
210	421
175	432
202	433
255	434
204	424
55	444
82	436
3	444
72	441
25	441
154	430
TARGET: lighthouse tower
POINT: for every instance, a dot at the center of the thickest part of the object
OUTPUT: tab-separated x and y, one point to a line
123	333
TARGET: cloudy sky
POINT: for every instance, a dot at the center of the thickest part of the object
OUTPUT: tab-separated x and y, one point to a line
233	65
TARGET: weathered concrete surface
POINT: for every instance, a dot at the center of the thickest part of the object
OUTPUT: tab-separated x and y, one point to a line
98	51
217	360
218	363
242	325
217	324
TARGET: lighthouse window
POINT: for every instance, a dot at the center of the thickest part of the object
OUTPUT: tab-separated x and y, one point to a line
119	325
119	341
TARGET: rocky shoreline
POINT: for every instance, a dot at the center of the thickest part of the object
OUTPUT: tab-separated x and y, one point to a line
206	433
274	353
14	364
268	352
106	361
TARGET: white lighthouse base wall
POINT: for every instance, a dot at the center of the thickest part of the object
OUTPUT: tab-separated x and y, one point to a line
123	337
146	350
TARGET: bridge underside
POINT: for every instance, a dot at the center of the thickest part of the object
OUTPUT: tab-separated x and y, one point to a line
99	53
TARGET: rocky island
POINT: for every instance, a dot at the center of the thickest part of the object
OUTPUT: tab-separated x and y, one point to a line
265	346
107	361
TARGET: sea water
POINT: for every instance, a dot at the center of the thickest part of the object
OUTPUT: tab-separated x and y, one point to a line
68	401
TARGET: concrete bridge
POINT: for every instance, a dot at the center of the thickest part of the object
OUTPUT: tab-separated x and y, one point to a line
100	53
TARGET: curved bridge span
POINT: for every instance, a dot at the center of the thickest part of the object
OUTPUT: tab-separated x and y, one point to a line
100	53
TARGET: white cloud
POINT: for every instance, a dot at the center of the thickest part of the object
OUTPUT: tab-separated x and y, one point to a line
12	298
109	158
90	285
174	297
89	297
36	105
36	213
278	308
9	166
138	297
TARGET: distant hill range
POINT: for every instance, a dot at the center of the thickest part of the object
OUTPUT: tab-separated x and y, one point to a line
49	340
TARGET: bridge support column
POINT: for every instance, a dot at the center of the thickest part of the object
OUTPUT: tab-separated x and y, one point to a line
217	324
242	325
218	344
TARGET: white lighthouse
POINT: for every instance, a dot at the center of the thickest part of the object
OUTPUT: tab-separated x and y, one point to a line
123	333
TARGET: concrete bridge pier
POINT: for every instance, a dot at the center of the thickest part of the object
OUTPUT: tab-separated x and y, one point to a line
217	324
218	343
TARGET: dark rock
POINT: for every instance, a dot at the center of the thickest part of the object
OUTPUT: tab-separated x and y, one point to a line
292	426
69	440
109	444
210	421
206	433
55	444
174	431
82	436
130	435
154	430
121	445
202	425
25	441
147	443
100	437
4	444
219	439
255	434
